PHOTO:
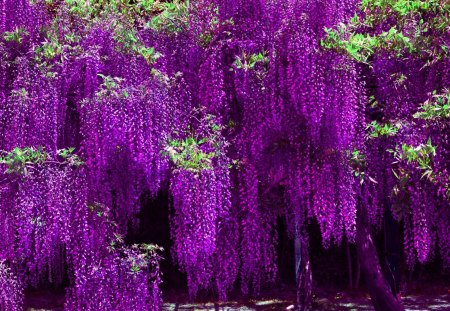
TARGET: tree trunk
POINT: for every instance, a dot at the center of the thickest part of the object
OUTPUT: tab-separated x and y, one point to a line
349	264
302	269
379	289
358	274
392	249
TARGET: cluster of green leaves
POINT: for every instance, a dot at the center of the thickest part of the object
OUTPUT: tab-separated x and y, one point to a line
399	80
169	17
149	54
69	157
421	157
22	93
164	78
358	163
52	45
421	28
249	61
90	9
361	46
54	48
123	17
136	11
48	50
438	107
188	154
377	130
401	7
116	242
128	41
193	153
72	38
16	35
141	255
213	27
111	86
110	83
20	160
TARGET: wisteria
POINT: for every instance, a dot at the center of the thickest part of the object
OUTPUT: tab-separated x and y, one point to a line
247	114
11	289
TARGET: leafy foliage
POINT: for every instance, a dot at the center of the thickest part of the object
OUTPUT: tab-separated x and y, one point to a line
421	29
17	35
69	157
195	154
420	156
20	160
187	154
249	61
129	42
377	130
436	108
170	16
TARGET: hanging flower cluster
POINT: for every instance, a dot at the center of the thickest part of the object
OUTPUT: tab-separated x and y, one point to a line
33	112
10	289
123	129
200	187
107	274
316	102
37	207
257	245
50	226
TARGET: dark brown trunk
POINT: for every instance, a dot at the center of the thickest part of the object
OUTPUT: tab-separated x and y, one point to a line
379	289
358	274
349	265
303	270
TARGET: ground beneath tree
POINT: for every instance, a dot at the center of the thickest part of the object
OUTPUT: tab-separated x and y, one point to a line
412	303
431	299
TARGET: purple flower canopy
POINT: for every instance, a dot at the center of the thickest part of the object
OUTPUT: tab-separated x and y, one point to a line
238	97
